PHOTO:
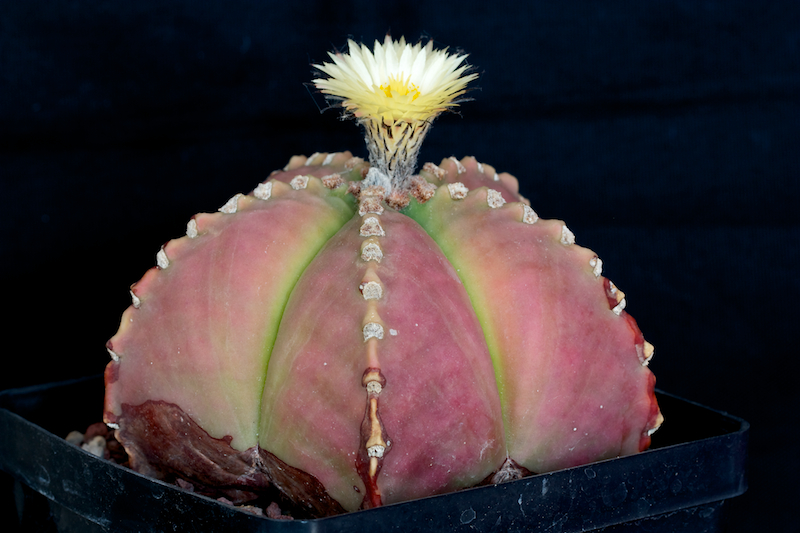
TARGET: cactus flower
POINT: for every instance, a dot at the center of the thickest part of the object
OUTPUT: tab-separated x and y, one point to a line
395	92
352	334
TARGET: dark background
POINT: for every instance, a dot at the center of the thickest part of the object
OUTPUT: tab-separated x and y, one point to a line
665	133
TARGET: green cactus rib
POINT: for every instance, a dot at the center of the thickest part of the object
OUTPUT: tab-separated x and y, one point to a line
439	403
571	393
285	339
202	327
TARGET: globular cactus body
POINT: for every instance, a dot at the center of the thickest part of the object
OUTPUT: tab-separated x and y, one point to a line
352	346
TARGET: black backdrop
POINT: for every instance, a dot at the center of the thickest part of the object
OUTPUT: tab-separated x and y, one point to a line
665	133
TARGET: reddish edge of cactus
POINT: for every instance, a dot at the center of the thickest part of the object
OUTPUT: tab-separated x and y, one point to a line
351	350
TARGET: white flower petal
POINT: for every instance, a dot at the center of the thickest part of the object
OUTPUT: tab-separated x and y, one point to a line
395	81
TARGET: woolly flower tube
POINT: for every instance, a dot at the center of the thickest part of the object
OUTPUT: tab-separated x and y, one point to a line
394	91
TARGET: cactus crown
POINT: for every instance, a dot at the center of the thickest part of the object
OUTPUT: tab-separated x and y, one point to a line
395	91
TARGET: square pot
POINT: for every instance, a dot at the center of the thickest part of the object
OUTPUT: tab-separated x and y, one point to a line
697	460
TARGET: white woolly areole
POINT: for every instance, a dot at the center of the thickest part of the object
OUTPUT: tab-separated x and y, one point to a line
191	229
299	182
597	266
374	387
135	301
376	451
480	167
645	352
161	259
113	354
619	307
529	216
372	329
332	181
371	252
458	191
659	421
567	237
263	191
494	199
371	228
371	290
232	205
434	169
328	159
369	205
459	167
378	178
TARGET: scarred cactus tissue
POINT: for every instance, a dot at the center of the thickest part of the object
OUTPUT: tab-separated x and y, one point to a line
352	334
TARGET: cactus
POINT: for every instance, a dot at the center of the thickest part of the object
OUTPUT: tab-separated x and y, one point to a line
351	334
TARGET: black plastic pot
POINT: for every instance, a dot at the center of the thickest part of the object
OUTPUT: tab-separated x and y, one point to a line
697	461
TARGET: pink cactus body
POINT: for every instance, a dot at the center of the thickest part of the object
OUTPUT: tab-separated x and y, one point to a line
352	347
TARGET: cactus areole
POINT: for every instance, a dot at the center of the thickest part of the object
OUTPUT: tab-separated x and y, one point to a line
351	334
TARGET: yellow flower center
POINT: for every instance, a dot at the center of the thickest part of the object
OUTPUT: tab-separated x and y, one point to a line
398	87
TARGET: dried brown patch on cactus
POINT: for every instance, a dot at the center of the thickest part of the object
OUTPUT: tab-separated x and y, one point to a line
375	442
217	468
373	375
